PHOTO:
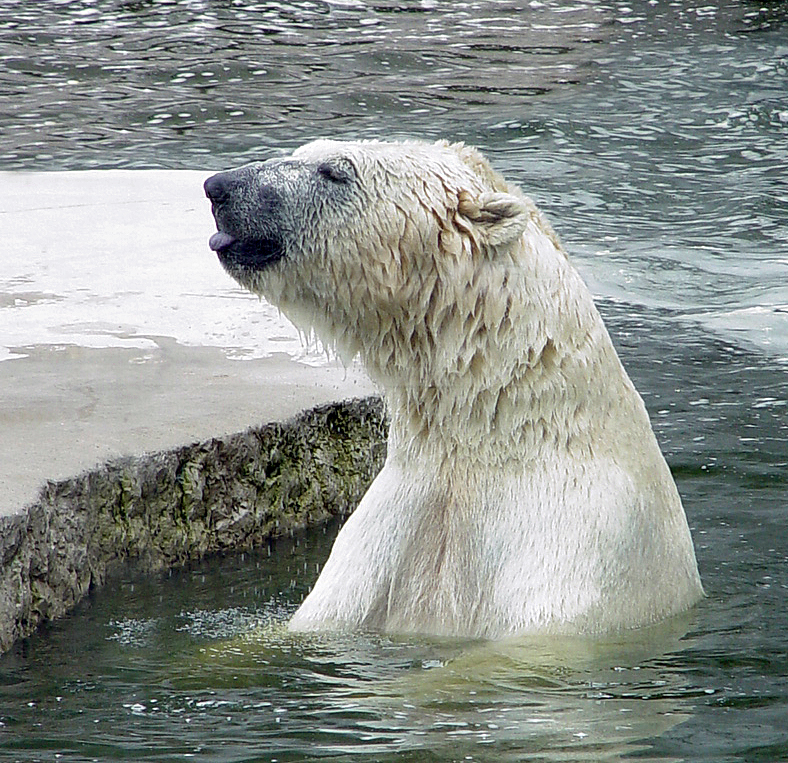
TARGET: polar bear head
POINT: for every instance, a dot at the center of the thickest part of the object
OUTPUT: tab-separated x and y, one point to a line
421	259
359	239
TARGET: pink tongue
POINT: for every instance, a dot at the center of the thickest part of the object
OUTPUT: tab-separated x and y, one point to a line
220	240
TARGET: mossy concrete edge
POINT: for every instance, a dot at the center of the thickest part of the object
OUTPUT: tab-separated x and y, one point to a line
161	510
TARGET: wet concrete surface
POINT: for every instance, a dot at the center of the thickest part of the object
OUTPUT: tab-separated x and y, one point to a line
120	334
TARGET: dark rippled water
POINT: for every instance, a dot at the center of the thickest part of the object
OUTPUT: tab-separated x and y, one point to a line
655	134
172	84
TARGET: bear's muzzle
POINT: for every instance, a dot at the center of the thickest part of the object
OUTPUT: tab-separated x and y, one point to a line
229	194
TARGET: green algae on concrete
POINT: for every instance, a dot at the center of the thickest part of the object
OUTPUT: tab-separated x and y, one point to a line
162	510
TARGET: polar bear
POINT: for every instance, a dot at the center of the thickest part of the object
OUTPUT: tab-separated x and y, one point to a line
523	489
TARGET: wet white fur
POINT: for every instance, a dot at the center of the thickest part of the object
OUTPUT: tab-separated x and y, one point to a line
524	489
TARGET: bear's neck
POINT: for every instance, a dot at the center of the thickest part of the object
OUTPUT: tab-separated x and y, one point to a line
502	380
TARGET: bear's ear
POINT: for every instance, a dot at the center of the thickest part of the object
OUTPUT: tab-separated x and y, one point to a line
499	218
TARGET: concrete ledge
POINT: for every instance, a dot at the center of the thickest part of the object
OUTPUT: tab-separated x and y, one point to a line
120	333
162	510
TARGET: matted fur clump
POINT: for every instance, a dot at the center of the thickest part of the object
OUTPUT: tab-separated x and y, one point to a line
524	489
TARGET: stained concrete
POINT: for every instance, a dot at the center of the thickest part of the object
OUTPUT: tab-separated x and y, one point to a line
121	342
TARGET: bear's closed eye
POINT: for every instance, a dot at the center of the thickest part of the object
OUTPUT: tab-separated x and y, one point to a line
334	173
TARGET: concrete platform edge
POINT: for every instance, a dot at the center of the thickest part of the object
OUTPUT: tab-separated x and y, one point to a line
161	510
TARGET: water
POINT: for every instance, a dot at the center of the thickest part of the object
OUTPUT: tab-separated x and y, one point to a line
656	137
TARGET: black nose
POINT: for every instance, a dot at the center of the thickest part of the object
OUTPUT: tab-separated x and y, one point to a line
219	187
